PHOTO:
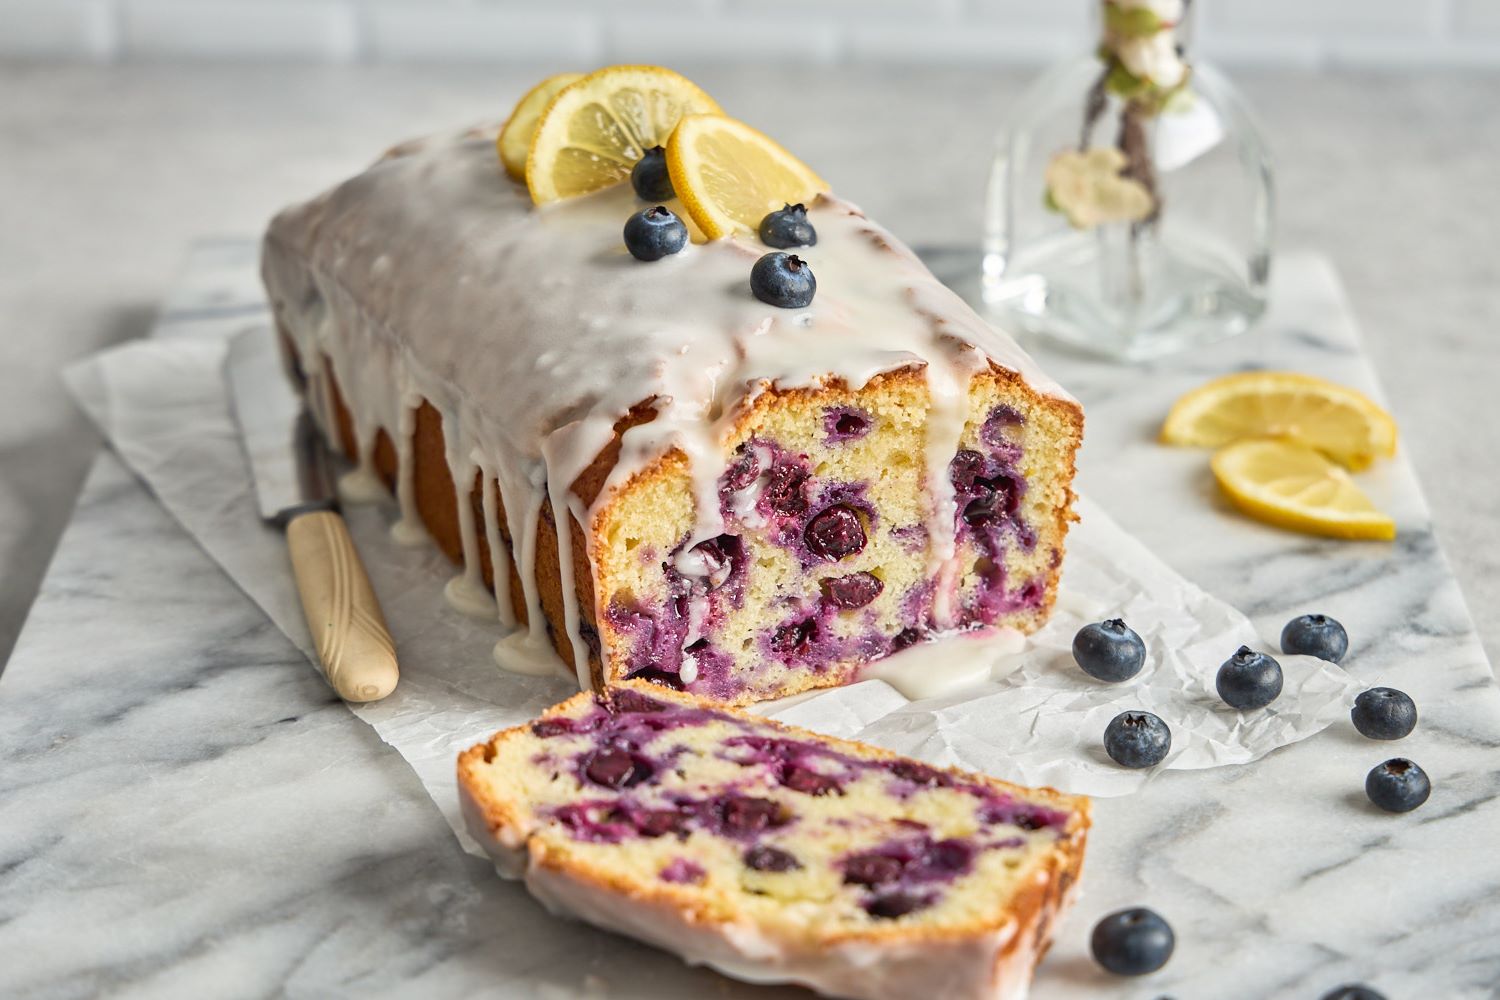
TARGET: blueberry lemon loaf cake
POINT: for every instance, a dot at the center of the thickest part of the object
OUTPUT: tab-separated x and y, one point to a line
736	439
774	854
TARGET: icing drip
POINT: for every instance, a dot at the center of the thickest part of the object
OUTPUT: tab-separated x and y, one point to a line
361	485
466	592
408	529
499	557
540	332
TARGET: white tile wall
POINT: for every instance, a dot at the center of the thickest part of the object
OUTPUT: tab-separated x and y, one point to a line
43	28
239	29
1258	32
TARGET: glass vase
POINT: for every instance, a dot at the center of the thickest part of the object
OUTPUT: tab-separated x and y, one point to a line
1189	269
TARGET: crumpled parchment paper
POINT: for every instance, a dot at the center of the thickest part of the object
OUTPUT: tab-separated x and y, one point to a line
1025	712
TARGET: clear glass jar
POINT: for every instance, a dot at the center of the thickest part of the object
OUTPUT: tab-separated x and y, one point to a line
1193	271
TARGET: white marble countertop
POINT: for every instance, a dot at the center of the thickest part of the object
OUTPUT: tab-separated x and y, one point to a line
165	833
185	809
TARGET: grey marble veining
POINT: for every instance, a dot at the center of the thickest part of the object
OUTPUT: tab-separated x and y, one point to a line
188	812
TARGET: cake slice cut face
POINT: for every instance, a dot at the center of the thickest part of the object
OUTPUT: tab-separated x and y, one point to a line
774	854
658	475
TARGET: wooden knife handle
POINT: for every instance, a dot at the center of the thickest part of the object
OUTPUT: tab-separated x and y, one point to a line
354	645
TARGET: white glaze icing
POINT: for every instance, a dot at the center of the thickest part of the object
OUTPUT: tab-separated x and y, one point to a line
937	669
541	331
361	485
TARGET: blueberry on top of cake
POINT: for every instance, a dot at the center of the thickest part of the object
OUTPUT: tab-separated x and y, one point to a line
659	474
736	841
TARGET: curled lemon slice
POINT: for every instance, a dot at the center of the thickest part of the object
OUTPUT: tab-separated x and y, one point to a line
729	176
1293	486
596	128
515	137
1341	422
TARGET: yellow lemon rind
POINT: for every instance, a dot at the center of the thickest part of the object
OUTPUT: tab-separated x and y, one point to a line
706	214
1183	423
506	143
1365	523
554	119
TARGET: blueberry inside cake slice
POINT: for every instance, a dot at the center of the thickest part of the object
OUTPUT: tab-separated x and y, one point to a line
774	854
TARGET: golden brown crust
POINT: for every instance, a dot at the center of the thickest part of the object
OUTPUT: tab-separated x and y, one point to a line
436	499
1033	910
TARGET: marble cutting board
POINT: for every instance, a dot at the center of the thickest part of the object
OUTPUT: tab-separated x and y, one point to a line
188	811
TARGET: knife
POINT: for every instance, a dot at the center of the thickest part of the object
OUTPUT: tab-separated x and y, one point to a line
295	490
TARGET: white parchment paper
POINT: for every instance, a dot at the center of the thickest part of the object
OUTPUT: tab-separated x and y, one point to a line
1021	710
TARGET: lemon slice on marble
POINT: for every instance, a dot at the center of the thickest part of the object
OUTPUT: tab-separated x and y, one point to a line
1341	422
596	128
514	142
1293	486
729	176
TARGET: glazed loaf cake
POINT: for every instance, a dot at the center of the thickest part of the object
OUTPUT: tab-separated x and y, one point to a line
773	854
658	475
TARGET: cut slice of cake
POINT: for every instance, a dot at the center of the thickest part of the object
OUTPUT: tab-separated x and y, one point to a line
659	475
774	854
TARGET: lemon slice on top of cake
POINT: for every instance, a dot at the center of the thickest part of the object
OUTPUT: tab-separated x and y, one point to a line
595	129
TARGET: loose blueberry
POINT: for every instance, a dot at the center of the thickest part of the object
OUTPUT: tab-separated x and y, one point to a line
788	227
853	591
649	176
1384	714
1249	679
1398	785
1137	739
836	533
765	858
617	769
894	904
1109	651
1353	991
654	233
1132	942
782	279
1315	635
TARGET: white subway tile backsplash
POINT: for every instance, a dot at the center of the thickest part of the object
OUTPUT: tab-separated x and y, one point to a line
1328	19
1301	33
1272	51
52	28
1373	54
634	39
1034	15
986	44
321	30
1476	18
398	32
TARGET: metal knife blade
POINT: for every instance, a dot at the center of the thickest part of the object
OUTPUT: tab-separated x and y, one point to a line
288	456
